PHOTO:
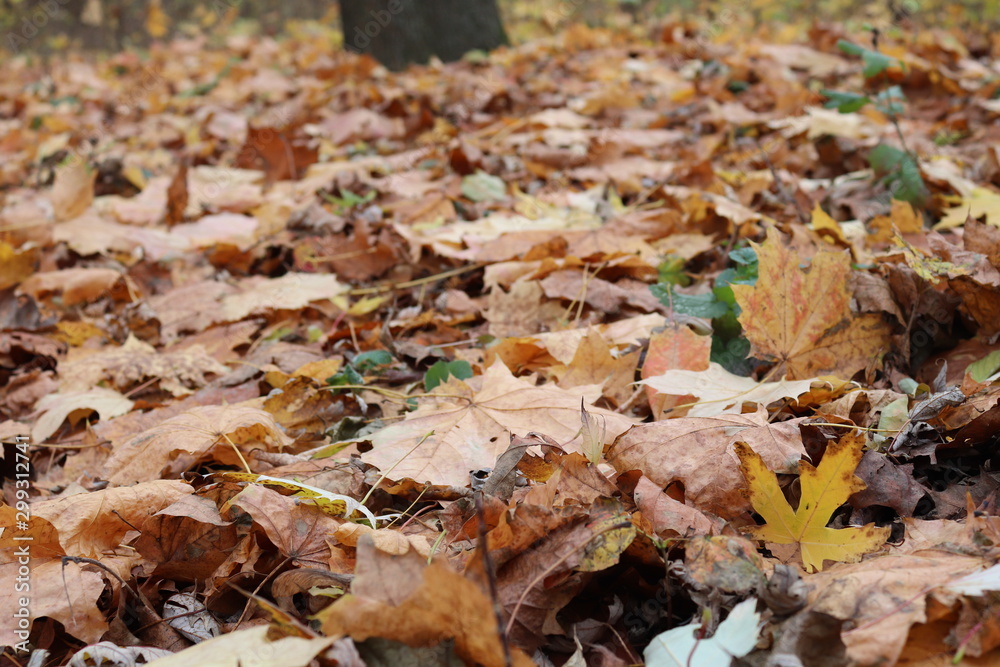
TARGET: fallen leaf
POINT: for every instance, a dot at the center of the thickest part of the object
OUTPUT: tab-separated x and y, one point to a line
595	363
980	202
184	439
251	645
718	391
445	605
803	319
464	429
92	523
675	348
684	647
697	453
73	190
824	489
56	408
75	285
135	361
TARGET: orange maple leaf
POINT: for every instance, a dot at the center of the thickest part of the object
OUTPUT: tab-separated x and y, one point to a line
803	318
824	489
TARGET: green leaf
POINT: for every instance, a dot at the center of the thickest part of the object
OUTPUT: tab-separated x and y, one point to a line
442	370
902	174
733	355
701	305
368	361
875	62
985	367
844	102
346	375
891	101
671	271
744	256
481	186
884	158
911	184
348	200
850	48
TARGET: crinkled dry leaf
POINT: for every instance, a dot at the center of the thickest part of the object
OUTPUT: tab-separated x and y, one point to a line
803	318
183	439
90	524
465	429
697	453
445	605
178	372
56	408
250	646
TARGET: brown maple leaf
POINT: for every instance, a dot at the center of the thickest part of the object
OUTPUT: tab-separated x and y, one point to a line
803	318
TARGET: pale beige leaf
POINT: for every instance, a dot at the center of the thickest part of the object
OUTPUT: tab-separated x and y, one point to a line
183	440
470	430
720	392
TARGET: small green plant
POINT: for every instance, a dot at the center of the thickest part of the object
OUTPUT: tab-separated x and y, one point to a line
730	348
897	168
353	373
442	370
348	200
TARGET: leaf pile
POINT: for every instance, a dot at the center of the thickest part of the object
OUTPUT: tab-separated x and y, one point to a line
605	346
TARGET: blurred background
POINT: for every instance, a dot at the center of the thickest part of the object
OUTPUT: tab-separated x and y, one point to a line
46	27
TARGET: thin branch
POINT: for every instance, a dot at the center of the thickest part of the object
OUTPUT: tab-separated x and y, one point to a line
491	577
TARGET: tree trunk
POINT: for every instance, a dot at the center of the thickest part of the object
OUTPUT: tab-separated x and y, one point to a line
400	32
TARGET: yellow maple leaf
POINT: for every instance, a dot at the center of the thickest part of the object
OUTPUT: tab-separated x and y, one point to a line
824	489
803	318
980	202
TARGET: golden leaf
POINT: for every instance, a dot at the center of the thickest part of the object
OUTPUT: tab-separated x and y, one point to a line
824	489
803	318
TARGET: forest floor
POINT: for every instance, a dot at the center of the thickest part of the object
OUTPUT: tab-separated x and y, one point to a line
603	349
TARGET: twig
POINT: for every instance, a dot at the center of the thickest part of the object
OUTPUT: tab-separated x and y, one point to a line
415	283
491	577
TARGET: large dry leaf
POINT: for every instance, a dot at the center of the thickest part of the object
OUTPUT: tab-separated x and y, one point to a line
291	291
250	647
135	361
522	310
465	429
299	530
92	523
73	189
56	408
824	489
718	391
563	344
437	606
595	363
803	318
183	439
75	285
698	453
883	598
68	595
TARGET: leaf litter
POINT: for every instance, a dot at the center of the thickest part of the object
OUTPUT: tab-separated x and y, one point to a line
626	357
